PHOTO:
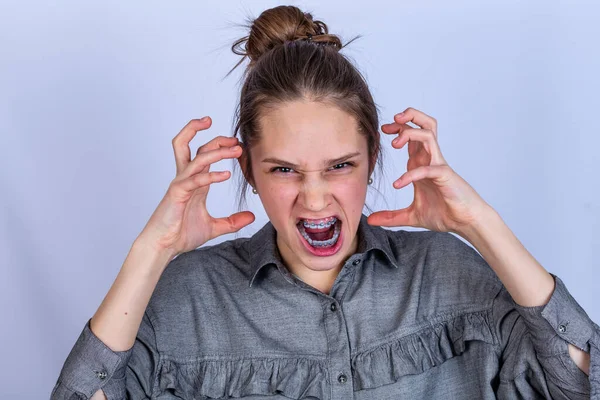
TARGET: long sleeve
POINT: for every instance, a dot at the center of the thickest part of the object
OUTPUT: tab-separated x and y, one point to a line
91	365
536	361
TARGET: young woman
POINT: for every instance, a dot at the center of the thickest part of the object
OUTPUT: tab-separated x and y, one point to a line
322	302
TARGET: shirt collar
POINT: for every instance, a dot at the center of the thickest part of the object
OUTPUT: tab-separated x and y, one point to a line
263	246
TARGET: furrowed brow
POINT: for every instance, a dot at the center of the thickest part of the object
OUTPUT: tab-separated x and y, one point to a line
288	164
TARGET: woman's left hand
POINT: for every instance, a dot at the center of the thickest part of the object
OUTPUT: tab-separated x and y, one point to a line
443	201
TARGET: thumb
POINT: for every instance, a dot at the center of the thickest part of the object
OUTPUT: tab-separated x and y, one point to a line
233	223
403	217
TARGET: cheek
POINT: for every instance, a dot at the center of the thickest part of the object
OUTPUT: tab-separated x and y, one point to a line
281	196
351	193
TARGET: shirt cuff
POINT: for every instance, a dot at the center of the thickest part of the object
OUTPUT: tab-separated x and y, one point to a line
595	364
91	365
562	316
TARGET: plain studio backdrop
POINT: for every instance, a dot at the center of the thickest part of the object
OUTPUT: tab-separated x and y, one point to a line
92	93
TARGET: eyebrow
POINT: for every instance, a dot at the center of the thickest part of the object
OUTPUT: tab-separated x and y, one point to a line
288	164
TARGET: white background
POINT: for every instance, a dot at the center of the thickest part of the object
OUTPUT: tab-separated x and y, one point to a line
92	93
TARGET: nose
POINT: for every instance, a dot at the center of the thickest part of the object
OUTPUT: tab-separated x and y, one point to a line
315	195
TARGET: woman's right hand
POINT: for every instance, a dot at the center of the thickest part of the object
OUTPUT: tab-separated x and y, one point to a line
181	222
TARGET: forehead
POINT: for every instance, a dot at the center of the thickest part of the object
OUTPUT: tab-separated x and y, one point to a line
306	132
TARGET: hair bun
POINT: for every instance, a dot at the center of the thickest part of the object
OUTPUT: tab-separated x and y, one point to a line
279	25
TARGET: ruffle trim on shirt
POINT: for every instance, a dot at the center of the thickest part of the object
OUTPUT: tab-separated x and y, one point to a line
417	352
296	378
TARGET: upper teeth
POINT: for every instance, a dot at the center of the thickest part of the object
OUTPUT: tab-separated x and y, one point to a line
326	223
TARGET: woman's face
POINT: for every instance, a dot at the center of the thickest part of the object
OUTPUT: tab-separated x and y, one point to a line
311	164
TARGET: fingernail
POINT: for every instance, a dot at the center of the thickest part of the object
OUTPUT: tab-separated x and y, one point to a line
400	115
204	119
396	141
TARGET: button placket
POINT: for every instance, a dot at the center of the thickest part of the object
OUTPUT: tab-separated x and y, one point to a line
343	279
339	352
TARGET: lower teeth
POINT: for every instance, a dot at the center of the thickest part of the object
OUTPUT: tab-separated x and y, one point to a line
322	243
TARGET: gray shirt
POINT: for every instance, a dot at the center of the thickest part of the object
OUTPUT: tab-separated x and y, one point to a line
412	315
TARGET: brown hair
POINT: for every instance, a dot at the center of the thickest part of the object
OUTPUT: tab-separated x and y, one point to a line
293	57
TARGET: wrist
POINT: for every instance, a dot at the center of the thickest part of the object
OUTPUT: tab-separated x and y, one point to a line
484	222
156	257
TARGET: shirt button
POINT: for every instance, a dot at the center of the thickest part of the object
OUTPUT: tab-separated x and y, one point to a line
101	374
562	328
333	307
342	378
356	262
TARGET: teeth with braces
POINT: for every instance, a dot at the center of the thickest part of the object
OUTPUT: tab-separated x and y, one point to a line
321	224
321	243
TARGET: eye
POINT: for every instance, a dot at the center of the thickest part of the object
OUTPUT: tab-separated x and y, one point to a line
283	170
342	165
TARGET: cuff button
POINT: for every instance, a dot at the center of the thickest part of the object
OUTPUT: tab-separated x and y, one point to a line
101	374
562	328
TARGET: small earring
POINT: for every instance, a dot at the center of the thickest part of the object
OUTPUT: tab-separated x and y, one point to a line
370	181
254	191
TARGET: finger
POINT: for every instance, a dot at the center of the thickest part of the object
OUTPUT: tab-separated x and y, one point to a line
418	118
426	138
394	128
210	157
438	173
181	142
218	142
403	217
196	181
233	223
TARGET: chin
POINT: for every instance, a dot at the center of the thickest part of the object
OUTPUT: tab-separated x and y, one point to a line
318	264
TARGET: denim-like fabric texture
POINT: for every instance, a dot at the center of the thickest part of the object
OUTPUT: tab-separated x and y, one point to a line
413	314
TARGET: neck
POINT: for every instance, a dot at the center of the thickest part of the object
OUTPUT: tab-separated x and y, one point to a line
320	280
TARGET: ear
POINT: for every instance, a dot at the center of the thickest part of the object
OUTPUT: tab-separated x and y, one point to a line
371	169
243	160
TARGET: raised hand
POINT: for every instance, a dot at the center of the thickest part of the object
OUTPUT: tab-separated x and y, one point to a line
181	221
443	201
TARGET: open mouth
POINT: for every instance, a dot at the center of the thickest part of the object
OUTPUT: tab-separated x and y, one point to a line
321	238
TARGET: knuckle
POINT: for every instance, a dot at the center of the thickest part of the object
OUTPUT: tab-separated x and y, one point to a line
445	169
231	224
223	151
199	178
193	121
